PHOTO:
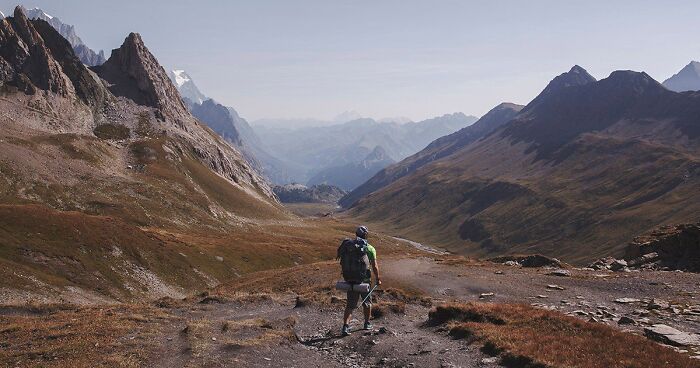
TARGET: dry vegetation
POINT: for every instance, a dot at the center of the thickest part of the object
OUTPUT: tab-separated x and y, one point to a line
52	336
524	336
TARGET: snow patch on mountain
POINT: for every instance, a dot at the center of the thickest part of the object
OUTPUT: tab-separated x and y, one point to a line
186	86
38	13
181	77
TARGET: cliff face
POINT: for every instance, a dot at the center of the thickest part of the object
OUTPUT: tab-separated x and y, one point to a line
673	247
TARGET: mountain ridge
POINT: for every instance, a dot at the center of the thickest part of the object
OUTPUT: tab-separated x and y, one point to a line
633	145
84	53
351	142
350	175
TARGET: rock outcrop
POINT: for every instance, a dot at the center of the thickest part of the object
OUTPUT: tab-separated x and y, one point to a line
669	247
529	261
133	72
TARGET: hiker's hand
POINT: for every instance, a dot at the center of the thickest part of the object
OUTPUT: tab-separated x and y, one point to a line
378	282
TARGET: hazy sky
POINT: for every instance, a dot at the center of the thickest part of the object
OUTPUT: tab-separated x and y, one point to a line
317	58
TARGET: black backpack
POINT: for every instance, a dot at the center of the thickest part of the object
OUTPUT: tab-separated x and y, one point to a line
354	260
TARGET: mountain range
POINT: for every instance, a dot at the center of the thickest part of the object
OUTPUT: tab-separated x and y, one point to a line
351	175
315	149
82	51
439	148
574	174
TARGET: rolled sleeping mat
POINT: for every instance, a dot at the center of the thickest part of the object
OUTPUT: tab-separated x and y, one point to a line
345	286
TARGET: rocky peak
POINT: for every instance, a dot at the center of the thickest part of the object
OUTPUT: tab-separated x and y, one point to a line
133	72
688	79
639	82
23	27
576	76
25	61
186	86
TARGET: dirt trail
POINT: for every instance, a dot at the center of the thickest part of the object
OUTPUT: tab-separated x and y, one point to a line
270	329
398	340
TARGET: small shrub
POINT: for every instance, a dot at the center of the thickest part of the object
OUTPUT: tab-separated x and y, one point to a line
112	132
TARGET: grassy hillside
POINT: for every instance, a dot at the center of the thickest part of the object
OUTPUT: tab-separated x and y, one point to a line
576	175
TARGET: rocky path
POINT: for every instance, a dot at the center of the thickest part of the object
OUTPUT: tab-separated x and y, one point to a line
271	332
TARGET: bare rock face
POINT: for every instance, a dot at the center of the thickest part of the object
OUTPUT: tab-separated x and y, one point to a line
672	247
27	63
133	72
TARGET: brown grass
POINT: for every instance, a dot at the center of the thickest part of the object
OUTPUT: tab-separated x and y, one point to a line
529	337
51	336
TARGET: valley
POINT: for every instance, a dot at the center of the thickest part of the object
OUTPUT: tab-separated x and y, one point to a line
146	224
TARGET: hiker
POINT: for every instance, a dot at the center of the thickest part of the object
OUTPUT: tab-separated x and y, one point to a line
356	258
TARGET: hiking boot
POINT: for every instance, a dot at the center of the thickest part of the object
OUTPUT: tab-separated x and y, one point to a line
345	331
368	326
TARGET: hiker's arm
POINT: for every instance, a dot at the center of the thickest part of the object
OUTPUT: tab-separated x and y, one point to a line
375	271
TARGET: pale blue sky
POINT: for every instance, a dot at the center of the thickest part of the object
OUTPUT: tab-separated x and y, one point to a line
317	58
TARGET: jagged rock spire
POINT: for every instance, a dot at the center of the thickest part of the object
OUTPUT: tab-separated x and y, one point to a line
25	60
134	72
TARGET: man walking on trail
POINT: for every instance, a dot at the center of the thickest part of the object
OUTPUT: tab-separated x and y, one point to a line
356	258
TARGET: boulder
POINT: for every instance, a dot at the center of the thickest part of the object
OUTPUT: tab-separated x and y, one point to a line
671	336
560	273
626	300
624	320
618	265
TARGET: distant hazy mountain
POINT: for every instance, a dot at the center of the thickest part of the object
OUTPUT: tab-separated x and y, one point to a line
349	176
298	193
186	86
688	79
438	149
321	147
226	122
290	124
82	51
347	116
395	119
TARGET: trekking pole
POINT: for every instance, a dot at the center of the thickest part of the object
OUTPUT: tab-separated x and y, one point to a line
369	294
